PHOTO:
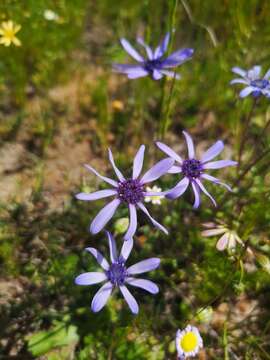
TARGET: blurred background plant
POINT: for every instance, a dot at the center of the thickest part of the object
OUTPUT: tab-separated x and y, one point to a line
61	106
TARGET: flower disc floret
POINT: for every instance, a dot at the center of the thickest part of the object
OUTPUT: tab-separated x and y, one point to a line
117	273
130	191
192	168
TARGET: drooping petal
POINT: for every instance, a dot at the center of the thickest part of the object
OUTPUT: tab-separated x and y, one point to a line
246	91
95	195
101	297
131	51
144	266
138	162
147	285
127	68
149	51
171	74
205	191
104	178
216	181
90	278
239	81
237	70
132	303
154	222
157	75
179	189
175	170
213	232
157	170
219	164
162	48
126	248
115	168
213	151
196	191
222	242
177	58
190	145
132	222
112	247
169	151
99	257
104	216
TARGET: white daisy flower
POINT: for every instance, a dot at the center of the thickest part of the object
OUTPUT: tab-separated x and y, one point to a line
188	342
50	15
155	200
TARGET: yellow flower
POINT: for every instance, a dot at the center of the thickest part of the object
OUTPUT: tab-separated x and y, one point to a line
117	105
8	31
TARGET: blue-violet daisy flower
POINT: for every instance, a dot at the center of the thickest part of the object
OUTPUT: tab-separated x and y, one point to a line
155	64
255	84
118	275
194	170
130	192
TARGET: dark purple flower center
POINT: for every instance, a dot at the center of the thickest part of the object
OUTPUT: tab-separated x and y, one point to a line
260	83
192	168
151	65
130	191
117	273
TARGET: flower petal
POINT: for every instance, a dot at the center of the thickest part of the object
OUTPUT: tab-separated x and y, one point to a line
154	222
216	181
104	216
255	72
126	248
213	151
131	51
178	58
95	195
196	191
115	168
267	75
137	74
127	68
179	189
237	70
205	191
246	91
169	151
132	222
147	285
149	51
157	75
162	48
157	170
132	303
213	232
101	297
104	178
239	81
222	242
190	145
219	164
99	257
138	162
175	170
90	278
112	247
144	266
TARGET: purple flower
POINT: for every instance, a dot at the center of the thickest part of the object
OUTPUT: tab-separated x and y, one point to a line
194	169
255	84
118	275
130	192
155	64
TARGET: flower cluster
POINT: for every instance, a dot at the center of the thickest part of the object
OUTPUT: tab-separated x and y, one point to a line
133	192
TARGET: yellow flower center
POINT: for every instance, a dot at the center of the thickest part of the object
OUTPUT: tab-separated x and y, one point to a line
189	342
9	34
